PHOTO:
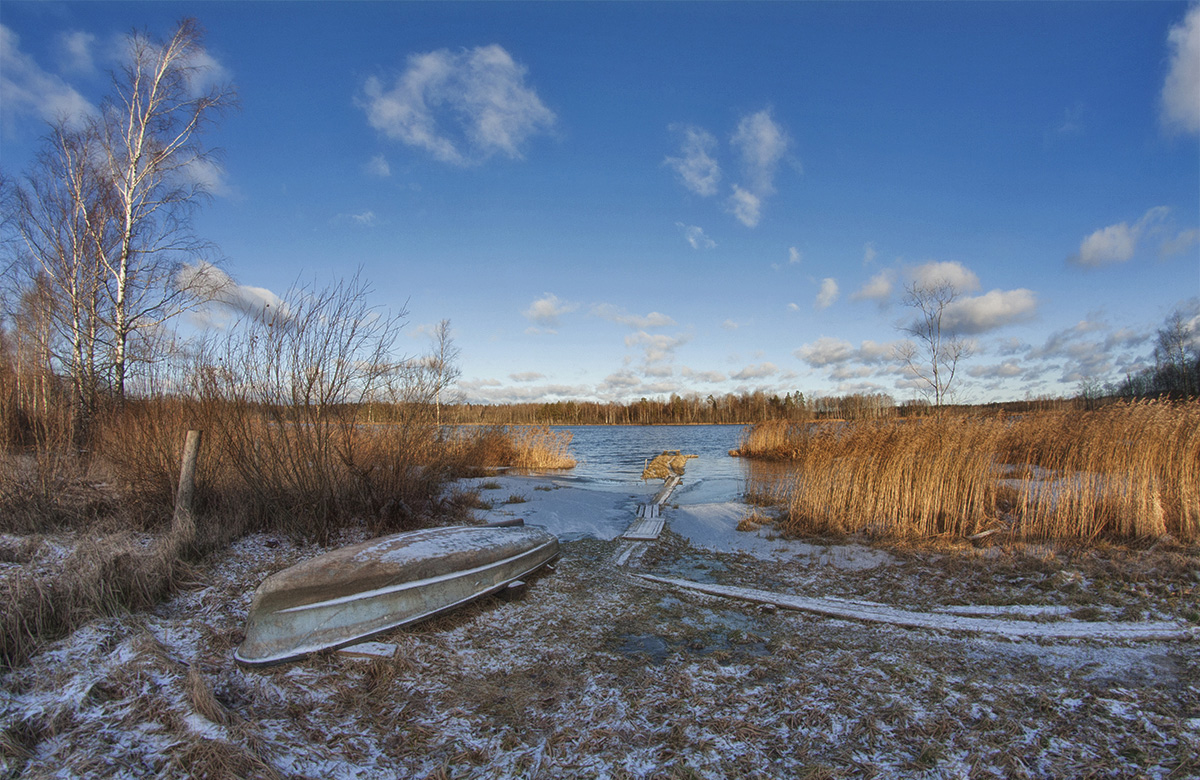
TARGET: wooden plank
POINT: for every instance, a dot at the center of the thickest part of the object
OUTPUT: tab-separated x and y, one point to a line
645	530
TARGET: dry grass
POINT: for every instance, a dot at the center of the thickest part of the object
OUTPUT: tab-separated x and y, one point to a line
527	448
1123	472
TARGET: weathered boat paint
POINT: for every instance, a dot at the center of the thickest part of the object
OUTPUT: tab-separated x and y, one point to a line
354	593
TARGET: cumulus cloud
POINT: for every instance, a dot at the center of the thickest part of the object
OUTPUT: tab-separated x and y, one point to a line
1005	370
226	295
695	165
1181	91
658	347
26	90
955	274
830	351
618	315
756	371
729	325
1116	243
526	376
869	253
695	236
703	376
461	107
828	293
995	309
795	256
877	288
547	310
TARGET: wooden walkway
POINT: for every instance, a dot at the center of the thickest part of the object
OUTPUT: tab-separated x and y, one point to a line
650	523
647	526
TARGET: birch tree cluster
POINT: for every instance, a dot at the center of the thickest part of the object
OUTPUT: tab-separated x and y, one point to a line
99	245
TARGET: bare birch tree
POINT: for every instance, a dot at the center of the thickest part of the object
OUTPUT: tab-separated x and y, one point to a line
149	144
443	365
62	219
933	354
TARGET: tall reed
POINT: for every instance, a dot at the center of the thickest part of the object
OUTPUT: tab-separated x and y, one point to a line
894	479
520	447
1122	472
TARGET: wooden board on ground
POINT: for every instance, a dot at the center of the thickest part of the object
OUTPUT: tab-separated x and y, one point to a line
646	529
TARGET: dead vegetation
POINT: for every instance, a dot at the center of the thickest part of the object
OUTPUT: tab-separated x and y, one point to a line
1122	472
595	674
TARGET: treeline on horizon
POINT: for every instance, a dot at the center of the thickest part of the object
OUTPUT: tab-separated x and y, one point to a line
1167	381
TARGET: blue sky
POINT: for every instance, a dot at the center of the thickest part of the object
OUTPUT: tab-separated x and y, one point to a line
620	200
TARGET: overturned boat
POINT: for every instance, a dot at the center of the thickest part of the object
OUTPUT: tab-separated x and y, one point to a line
365	589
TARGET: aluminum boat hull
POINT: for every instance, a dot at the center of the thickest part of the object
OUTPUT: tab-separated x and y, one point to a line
348	595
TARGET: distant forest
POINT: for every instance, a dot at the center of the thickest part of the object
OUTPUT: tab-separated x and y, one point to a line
730	409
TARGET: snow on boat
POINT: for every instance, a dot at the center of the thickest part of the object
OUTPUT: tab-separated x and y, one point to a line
353	593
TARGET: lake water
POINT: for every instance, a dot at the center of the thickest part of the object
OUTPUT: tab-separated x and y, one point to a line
599	497
614	455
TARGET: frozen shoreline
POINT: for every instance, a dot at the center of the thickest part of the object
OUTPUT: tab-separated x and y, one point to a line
596	673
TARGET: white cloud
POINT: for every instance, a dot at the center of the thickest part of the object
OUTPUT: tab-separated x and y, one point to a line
1116	243
1005	370
793	306
746	206
226	294
828	293
826	351
795	256
378	166
695	236
547	310
526	376
618	315
702	376
658	347
869	253
462	107
75	52
829	351
761	143
366	219
695	166
208	174
955	274
1113	244
1180	244
877	288
27	90
1181	91
995	309
756	371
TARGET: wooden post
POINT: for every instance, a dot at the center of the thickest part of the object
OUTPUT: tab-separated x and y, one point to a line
184	521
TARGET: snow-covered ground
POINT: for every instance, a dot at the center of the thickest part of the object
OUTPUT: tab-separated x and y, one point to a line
597	672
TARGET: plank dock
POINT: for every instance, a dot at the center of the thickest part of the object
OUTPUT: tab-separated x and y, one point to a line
647	526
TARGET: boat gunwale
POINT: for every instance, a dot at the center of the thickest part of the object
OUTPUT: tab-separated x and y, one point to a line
413	583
